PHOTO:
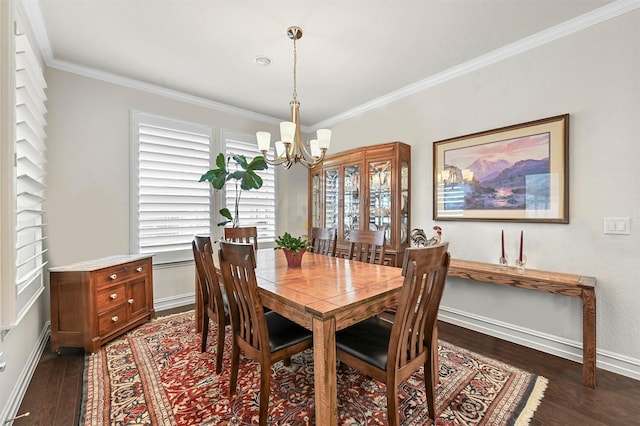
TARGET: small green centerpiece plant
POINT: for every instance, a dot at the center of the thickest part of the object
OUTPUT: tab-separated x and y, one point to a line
293	248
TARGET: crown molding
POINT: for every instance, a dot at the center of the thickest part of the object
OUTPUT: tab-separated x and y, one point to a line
604	13
612	10
158	90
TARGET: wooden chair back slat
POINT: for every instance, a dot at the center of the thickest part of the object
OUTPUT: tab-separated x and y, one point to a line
323	241
366	246
247	234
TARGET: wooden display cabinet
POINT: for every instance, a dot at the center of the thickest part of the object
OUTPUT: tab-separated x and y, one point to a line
96	301
364	188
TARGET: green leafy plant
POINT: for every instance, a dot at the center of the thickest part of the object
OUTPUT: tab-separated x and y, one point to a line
294	244
245	178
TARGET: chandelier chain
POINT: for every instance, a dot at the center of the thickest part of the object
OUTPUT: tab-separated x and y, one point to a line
295	62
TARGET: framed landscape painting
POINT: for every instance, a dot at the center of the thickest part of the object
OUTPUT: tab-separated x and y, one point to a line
515	173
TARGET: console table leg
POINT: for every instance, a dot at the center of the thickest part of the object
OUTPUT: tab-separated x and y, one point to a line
589	337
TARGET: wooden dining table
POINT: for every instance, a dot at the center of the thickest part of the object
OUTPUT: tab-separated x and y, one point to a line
324	295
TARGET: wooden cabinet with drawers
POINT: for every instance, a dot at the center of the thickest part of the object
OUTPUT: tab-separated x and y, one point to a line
96	301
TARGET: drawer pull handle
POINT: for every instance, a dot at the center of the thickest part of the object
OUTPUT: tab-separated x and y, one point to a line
113	276
130	301
114	319
139	269
114	296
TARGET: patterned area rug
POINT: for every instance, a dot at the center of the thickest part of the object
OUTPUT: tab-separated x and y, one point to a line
156	375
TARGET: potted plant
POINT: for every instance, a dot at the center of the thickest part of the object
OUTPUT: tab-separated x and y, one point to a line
293	248
245	178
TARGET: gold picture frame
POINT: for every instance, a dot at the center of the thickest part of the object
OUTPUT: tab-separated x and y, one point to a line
515	173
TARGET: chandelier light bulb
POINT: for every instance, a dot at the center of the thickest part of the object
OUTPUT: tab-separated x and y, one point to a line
315	148
264	140
324	138
287	131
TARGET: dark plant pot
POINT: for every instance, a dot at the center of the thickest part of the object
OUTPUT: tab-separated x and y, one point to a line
294	260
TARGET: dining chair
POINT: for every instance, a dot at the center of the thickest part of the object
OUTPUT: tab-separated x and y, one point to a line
214	304
247	234
391	352
366	246
265	337
323	241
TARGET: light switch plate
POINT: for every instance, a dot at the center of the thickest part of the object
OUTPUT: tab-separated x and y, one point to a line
617	225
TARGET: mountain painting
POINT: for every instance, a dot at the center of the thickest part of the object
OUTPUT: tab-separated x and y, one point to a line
512	174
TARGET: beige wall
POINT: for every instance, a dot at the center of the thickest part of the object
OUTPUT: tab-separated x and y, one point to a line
595	76
89	140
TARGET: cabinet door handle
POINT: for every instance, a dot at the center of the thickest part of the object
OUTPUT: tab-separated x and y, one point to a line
130	301
113	276
114	319
139	269
114	296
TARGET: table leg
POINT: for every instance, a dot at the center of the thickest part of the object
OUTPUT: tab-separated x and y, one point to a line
324	371
589	337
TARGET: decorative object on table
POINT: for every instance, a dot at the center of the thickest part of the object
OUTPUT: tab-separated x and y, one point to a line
160	390
293	248
291	149
419	238
503	261
515	173
521	261
245	177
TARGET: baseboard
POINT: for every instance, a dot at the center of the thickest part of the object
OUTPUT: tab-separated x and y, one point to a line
174	302
20	388
554	345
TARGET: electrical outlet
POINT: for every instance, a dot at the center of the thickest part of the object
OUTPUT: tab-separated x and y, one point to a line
2	363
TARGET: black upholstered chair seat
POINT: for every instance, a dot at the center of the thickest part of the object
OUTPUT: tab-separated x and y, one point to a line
367	340
283	332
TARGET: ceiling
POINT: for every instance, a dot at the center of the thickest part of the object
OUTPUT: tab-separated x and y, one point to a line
352	53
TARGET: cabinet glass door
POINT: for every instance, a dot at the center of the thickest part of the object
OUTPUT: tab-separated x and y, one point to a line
380	197
351	212
332	193
404	202
316	199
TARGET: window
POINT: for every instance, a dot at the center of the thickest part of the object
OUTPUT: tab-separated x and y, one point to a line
169	203
25	191
257	207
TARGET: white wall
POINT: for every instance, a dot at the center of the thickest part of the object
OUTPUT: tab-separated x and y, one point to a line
595	76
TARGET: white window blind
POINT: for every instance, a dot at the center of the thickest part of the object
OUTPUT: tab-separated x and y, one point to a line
30	189
172	205
257	207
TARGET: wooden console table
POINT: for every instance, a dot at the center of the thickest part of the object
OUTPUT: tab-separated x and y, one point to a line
550	282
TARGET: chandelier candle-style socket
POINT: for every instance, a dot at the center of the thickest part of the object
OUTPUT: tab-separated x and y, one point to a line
290	149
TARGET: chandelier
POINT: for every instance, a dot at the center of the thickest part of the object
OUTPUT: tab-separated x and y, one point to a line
290	149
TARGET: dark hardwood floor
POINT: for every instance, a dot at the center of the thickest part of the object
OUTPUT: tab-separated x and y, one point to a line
55	392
